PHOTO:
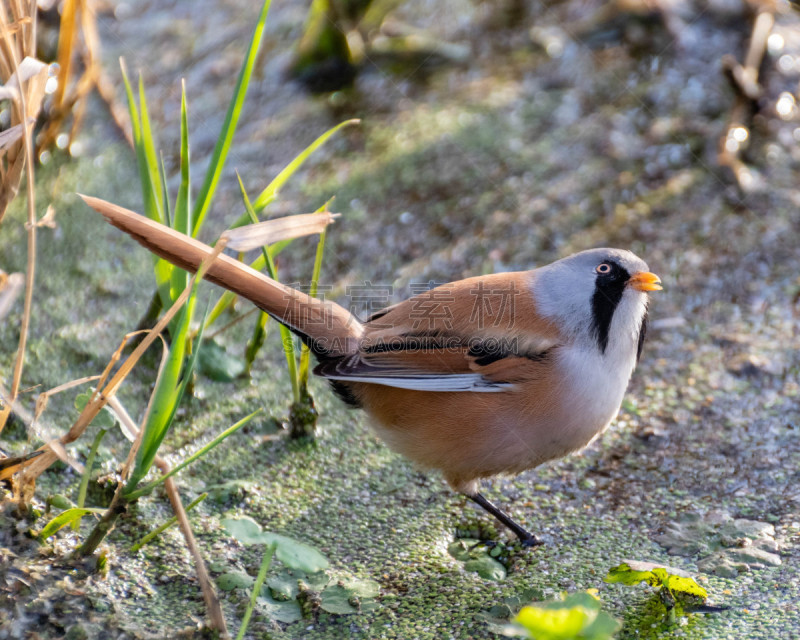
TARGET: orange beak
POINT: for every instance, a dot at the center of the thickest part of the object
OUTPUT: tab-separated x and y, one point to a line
645	281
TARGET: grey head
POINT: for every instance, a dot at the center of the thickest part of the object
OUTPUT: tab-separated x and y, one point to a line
597	296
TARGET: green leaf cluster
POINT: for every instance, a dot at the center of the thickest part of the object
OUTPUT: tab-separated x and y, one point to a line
304	585
659	577
577	616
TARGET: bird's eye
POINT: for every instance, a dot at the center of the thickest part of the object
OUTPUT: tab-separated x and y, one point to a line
603	268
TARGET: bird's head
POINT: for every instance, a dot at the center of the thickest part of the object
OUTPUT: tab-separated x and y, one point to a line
599	294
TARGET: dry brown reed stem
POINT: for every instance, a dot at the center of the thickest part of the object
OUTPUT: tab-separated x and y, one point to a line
18	44
213	606
66	45
78	18
744	79
25	114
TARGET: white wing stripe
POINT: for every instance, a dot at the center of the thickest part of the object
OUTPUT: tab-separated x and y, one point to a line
454	382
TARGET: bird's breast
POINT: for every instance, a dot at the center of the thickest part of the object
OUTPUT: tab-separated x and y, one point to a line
591	391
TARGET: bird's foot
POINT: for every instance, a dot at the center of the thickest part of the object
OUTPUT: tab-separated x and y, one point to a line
526	538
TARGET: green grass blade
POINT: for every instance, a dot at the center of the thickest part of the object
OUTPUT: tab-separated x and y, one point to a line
182	220
305	352
165	398
136	125
165	271
256	341
198	454
66	518
271	192
87	473
148	162
168	395
229	126
225	300
262	575
165	204
148	195
166	525
286	336
190	366
182	209
149	176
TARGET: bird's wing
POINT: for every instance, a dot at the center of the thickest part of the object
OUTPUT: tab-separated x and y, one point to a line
449	367
480	334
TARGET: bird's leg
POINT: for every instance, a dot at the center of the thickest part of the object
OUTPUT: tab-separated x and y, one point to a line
525	537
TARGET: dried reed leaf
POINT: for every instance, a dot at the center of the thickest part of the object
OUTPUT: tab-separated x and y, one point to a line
10	136
57	448
30	78
127	425
44	397
18	35
18	461
257	235
49	218
28	68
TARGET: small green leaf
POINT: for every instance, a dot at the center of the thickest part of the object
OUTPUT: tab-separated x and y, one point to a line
554	623
363	588
604	626
317	581
60	502
297	555
65	518
486	567
292	553
624	574
216	363
235	580
245	530
687	586
283	586
460	549
286	612
337	599
632	572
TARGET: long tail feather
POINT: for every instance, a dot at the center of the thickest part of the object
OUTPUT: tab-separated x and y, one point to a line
328	328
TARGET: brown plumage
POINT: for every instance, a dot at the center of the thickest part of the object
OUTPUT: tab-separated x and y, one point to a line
489	375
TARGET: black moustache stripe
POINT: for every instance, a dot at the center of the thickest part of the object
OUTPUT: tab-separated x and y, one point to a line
607	294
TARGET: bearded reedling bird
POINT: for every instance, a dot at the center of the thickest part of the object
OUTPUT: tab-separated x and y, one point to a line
490	375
